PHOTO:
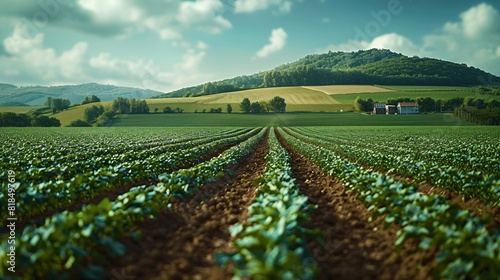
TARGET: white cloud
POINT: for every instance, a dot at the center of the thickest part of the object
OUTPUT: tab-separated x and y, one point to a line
202	14
392	41
277	42
250	6
169	19
28	61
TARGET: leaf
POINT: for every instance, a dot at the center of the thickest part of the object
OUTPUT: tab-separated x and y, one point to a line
235	229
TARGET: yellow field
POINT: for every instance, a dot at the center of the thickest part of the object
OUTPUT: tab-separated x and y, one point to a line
75	113
292	95
18	109
347	89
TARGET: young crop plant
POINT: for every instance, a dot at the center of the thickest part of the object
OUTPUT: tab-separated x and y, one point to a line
272	245
68	240
467	249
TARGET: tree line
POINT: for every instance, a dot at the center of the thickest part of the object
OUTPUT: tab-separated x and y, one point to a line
277	105
9	119
429	104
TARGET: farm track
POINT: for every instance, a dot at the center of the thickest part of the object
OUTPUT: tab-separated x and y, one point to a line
181	242
474	205
111	194
353	248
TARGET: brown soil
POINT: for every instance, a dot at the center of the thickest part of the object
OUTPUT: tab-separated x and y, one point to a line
111	194
474	205
353	248
181	243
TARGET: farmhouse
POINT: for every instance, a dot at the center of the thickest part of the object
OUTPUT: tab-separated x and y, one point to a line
378	109
390	109
408	108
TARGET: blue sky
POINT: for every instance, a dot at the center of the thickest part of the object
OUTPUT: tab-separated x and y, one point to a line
169	44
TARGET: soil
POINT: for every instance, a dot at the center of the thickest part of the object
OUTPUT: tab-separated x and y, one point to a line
474	205
111	194
181	243
353	248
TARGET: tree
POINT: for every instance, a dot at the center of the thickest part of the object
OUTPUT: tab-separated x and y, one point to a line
57	104
44	121
278	104
364	105
79	123
121	106
91	99
92	113
229	109
245	105
156	110
256	108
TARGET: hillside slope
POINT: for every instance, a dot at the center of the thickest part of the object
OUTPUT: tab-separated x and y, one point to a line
366	67
11	95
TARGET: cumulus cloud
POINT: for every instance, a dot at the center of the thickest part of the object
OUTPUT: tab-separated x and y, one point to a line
277	42
28	60
250	6
392	41
169	19
474	40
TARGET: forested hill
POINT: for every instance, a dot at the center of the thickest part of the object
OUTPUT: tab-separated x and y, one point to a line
362	67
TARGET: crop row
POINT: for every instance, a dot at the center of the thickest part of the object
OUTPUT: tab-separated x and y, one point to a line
462	148
467	249
271	244
24	151
35	198
471	184
68	240
52	171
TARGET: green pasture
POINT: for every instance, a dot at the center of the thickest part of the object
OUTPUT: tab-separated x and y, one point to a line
288	119
383	96
18	109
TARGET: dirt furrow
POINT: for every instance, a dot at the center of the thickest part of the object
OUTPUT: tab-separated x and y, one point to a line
111	194
352	247
181	243
474	205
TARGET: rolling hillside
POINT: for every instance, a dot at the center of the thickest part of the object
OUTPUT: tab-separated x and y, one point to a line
11	95
369	67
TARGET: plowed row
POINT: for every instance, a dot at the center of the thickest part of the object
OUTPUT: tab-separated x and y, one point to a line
181	242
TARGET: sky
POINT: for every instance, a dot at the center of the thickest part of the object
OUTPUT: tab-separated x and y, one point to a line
169	44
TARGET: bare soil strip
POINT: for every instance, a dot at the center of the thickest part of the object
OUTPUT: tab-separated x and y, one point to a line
181	243
111	194
353	248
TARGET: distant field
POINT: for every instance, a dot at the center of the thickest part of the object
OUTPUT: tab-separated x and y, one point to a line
289	119
18	109
75	113
383	96
296	98
422	88
327	99
346	89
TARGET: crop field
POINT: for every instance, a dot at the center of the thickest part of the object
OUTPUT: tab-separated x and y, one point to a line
258	203
288	119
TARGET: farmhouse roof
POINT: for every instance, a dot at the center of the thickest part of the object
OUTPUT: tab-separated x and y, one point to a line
408	104
379	105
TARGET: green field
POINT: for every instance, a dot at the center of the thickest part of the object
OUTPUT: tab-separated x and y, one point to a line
18	109
320	99
289	119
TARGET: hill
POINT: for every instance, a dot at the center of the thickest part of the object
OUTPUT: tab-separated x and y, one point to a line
11	95
365	67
